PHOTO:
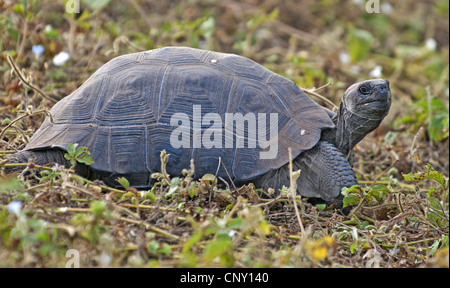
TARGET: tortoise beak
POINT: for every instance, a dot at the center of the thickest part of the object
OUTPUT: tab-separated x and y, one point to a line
383	91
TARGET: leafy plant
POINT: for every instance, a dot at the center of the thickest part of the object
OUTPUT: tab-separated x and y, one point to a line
438	209
78	154
429	173
124	182
355	194
443	242
92	222
50	175
359	43
431	112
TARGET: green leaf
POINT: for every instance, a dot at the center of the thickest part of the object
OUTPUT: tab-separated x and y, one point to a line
149	195
438	127
80	154
429	173
86	159
217	247
438	215
51	33
235	223
49	176
124	182
127	195
79	151
19	8
379	191
153	246
192	190
175	181
434	247
352	248
6	121
165	249
208	178
351	199
352	195
98	207
71	149
359	44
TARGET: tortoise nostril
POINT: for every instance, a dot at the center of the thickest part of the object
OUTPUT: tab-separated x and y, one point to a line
383	87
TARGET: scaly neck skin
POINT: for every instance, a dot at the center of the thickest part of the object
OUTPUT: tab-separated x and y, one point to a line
352	127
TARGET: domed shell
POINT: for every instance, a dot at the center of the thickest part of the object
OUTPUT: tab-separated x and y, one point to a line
123	113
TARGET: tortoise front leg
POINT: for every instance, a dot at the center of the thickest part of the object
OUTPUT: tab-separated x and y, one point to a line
324	172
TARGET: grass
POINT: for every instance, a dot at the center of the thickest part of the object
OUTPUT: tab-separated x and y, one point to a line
401	219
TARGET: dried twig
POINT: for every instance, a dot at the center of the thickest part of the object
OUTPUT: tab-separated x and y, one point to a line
215	181
229	177
323	98
23	116
24	80
293	191
125	40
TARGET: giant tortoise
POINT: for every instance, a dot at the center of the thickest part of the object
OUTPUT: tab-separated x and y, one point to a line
202	105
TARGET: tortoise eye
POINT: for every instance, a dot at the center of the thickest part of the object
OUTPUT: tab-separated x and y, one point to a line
364	90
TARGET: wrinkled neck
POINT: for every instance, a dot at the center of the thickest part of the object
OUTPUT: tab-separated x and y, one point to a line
351	128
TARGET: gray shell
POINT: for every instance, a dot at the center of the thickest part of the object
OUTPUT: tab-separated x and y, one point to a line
122	113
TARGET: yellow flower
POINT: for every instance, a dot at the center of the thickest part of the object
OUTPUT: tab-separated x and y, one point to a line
319	250
320	253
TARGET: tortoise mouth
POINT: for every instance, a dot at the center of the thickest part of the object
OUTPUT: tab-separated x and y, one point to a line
381	100
376	103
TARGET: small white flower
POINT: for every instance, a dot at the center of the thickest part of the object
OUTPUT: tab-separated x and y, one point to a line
344	58
104	259
61	58
386	8
430	44
48	28
376	72
15	207
232	233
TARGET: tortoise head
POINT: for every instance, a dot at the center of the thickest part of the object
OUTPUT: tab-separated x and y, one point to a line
363	107
369	99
